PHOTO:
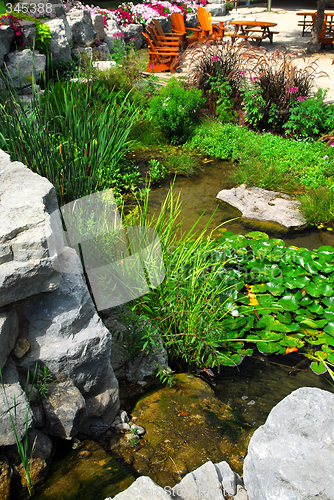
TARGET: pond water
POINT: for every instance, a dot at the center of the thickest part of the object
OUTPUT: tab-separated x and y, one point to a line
198	193
250	390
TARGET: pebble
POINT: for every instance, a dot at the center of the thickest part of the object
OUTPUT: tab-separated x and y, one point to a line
122	427
123	417
139	429
251	402
244	397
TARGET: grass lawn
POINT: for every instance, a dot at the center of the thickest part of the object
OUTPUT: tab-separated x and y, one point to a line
3	9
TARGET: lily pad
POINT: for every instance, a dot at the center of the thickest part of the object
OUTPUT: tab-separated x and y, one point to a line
316	308
318	367
257	235
288	302
318	290
268	347
329	329
298	282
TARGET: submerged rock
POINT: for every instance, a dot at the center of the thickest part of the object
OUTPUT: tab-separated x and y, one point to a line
259	204
291	456
186	426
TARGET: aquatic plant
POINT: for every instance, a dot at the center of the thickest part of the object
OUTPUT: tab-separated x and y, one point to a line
22	446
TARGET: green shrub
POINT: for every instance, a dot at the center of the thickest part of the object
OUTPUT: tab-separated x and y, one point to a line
310	117
65	70
175	110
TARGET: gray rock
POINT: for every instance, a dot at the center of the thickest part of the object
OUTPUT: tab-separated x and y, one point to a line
29	32
42	444
12	398
86	51
6	39
291	456
216	9
191	21
65	409
61	41
98	26
9	329
103	403
229	479
38	416
241	494
22	65
201	483
66	333
221	2
135	31
142	489
123	416
122	427
25	227
140	431
102	51
259	204
165	23
81	25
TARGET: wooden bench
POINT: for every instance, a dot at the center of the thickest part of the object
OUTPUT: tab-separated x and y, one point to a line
306	25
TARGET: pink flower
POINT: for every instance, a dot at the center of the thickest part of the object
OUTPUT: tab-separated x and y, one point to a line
332	144
215	58
254	78
301	98
292	90
242	73
325	157
243	104
132	39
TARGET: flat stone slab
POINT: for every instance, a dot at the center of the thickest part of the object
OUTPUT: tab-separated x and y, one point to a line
259	204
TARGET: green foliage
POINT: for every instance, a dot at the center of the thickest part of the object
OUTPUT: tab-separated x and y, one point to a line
221	102
43	38
44	378
157	170
22	446
74	141
253	103
229	6
175	110
310	117
65	70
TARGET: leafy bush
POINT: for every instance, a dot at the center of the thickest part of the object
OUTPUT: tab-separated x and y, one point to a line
310	117
65	70
220	100
276	83
215	59
175	110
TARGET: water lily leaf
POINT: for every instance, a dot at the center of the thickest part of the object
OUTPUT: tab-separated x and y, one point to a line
318	367
316	308
316	325
289	341
284	318
330	357
323	266
293	271
259	288
268	347
274	288
329	339
328	301
267	301
329	329
310	267
232	360
257	235
305	301
298	282
289	303
329	315
326	250
318	290
277	253
252	336
268	335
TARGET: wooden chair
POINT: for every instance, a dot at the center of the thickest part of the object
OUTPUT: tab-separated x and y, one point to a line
161	58
209	30
161	34
178	26
159	41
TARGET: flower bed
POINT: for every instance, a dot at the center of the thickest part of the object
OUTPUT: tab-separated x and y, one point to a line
128	13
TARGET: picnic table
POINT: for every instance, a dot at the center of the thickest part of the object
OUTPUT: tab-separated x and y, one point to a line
308	20
254	30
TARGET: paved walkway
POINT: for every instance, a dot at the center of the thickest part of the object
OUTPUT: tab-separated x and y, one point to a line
290	35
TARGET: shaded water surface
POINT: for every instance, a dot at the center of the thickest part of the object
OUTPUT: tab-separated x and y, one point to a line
198	194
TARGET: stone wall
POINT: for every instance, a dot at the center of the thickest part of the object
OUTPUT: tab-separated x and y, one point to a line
47	317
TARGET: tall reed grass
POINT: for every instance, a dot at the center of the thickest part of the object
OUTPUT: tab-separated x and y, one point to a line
67	137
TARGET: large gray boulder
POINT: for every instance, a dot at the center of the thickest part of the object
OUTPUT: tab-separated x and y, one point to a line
29	32
83	32
61	41
9	329
216	9
6	39
291	456
65	409
134	32
25	264
22	66
98	25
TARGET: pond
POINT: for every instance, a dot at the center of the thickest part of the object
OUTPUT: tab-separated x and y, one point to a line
198	193
196	421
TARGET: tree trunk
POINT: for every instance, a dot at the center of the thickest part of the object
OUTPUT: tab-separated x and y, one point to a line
314	44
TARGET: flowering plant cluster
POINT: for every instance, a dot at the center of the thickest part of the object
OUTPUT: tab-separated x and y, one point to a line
128	13
14	23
